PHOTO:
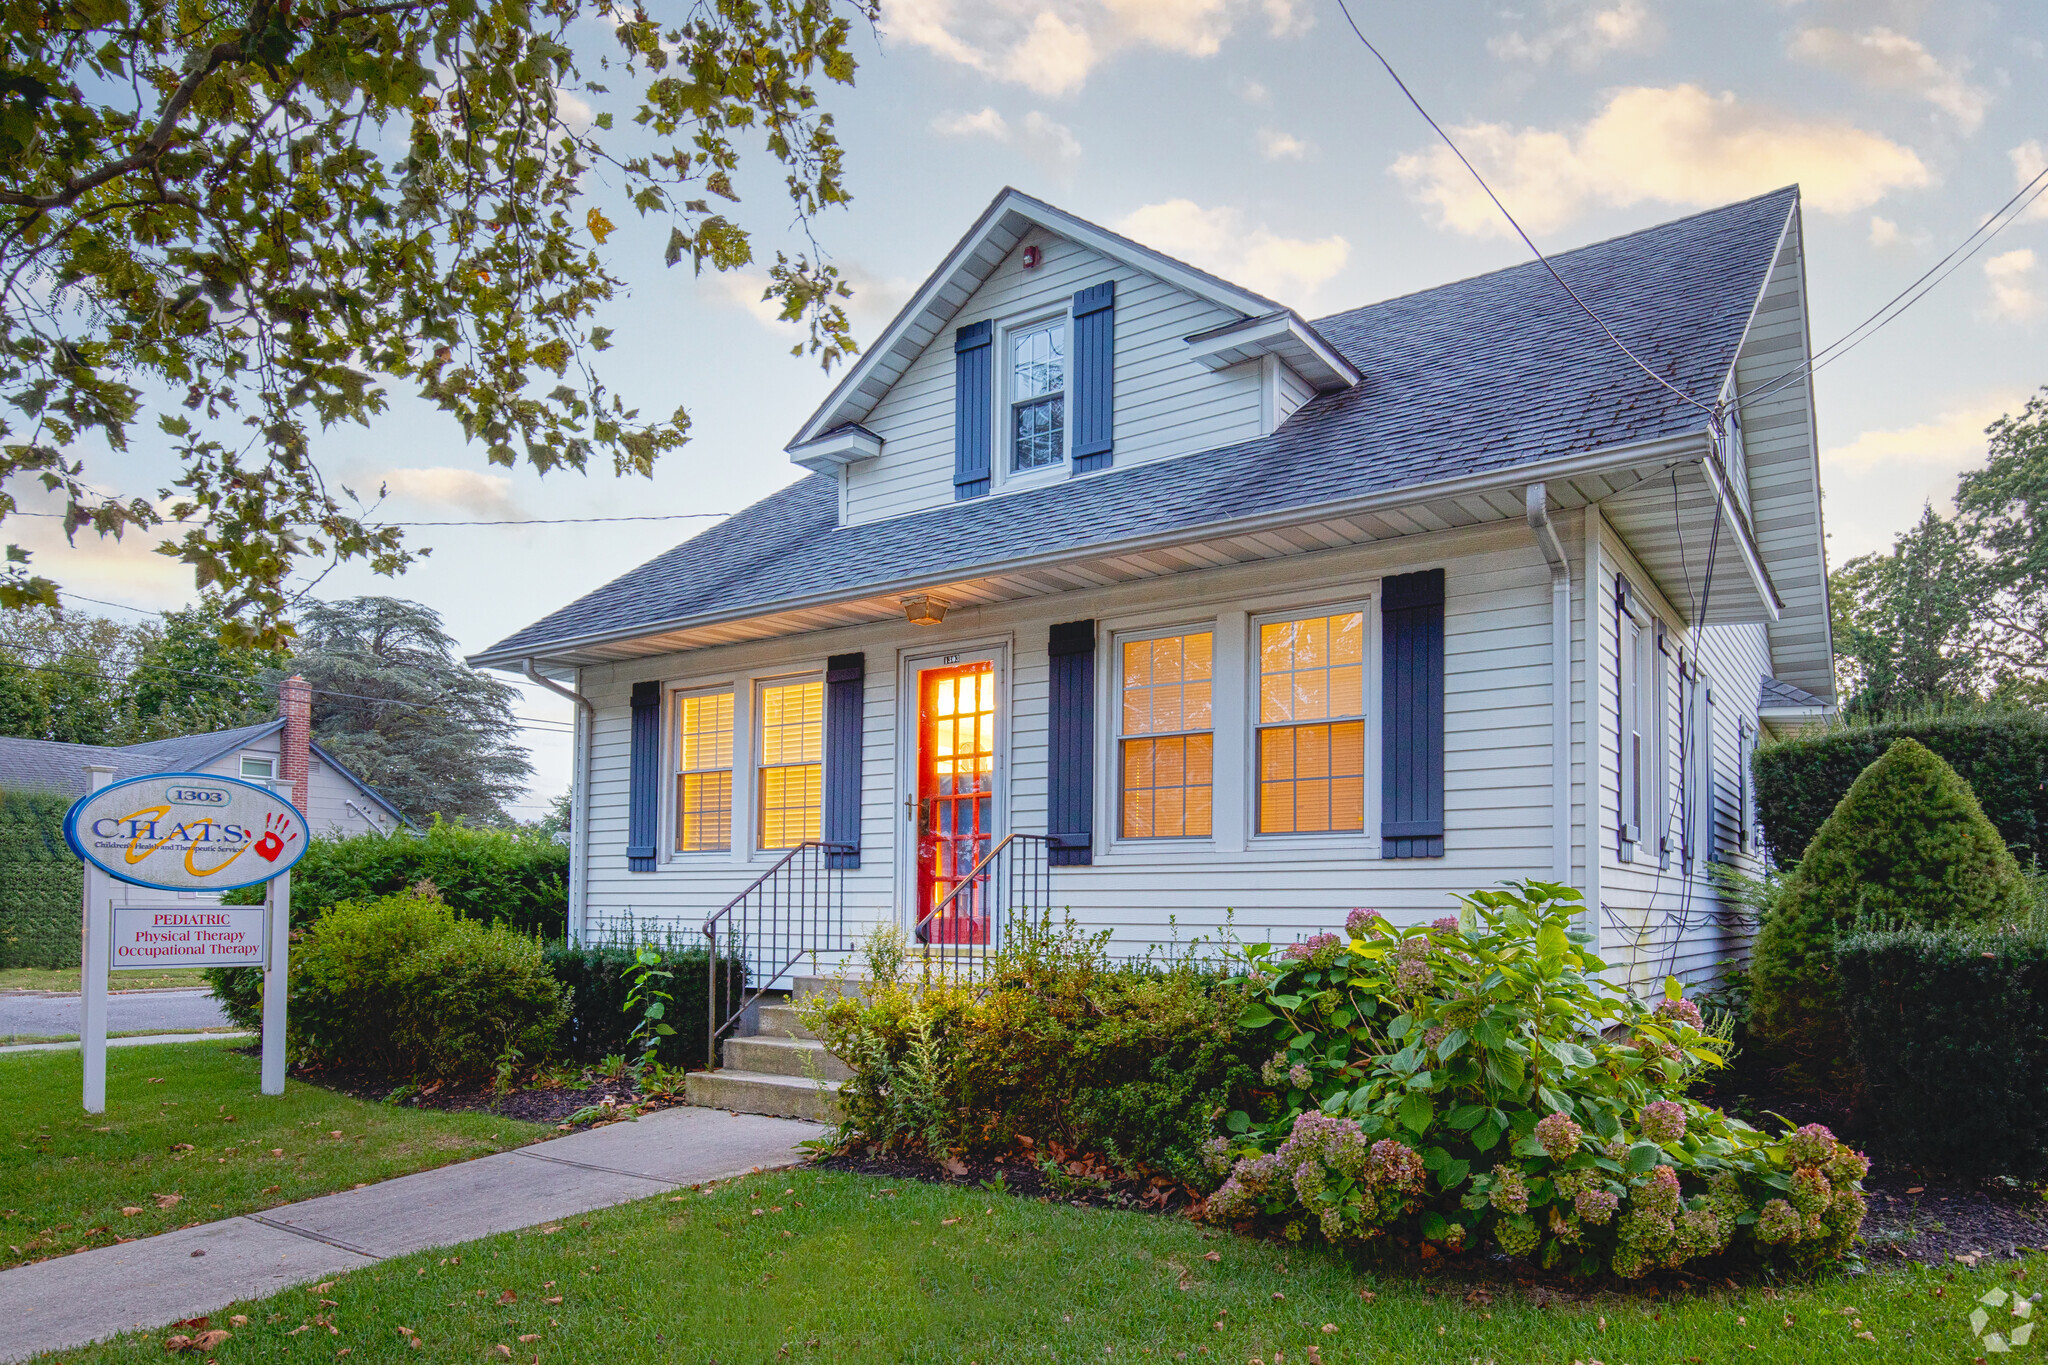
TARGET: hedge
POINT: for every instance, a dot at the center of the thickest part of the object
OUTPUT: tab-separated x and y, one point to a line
2003	755
520	879
42	883
598	1023
1950	1027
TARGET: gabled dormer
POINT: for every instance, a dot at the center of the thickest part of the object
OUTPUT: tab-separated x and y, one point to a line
1046	349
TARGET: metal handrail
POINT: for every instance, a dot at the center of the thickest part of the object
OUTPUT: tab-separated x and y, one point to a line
1038	878
822	882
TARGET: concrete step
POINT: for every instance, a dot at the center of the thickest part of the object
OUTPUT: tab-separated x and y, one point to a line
755	1092
780	1021
807	986
784	1057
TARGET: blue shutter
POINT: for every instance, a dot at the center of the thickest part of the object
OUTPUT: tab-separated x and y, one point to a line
974	396
1412	715
1094	365
1070	752
845	677
643	778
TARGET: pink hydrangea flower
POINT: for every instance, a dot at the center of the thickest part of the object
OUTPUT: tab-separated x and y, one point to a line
1811	1145
1680	1012
1559	1136
1448	924
1358	921
1510	1192
1310	946
1778	1221
1663	1121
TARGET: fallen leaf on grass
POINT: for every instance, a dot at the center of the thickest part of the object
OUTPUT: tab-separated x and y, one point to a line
239	1320
508	1297
502	1351
947	1222
1213	1256
130	1211
181	1146
554	1299
168	1201
953	1165
322	1287
531	1336
205	1341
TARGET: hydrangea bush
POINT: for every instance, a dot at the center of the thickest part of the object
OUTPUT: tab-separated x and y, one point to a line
1477	1084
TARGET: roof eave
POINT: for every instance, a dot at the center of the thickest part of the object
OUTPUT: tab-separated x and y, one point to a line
1683	446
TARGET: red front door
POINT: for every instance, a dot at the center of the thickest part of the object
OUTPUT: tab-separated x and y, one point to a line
956	764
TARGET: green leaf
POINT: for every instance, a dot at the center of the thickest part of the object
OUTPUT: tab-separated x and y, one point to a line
1466	1116
1453	1174
1551	946
1416	1112
1643	1156
1256	1016
1487	1134
1238	1122
1434	1226
1285	1002
1672	990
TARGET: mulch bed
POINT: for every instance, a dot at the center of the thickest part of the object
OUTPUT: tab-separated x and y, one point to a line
1915	1215
531	1102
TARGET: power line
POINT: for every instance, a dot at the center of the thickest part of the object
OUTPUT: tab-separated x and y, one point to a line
504	521
1526	240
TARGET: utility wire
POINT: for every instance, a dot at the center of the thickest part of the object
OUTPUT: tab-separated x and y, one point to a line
506	521
1526	240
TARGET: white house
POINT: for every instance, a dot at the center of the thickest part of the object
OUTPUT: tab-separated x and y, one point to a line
1211	609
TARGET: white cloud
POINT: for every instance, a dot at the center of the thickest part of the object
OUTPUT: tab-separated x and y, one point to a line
573	109
1878	481
1582	32
1251	92
1052	46
1288	18
2015	292
1052	145
465	490
1275	145
1886	60
1676	145
1219	240
2028	161
1883	231
985	123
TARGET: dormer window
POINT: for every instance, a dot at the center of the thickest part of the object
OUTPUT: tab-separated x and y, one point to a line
1038	396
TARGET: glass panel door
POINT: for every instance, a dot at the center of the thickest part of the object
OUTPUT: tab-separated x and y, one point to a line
956	759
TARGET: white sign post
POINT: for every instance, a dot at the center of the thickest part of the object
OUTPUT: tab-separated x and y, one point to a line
183	832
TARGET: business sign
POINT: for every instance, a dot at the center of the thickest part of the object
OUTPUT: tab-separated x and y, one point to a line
148	936
187	832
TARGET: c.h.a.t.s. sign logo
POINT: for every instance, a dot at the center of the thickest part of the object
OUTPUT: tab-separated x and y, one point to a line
187	832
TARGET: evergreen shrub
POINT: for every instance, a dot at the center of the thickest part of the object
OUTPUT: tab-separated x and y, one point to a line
1053	1050
1950	1029
403	985
598	1024
518	878
1476	1084
2002	754
42	883
1908	846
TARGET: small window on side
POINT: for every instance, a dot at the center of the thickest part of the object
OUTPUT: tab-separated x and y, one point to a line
259	769
1038	396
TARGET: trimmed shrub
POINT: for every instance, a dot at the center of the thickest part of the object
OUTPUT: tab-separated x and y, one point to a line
1054	1049
42	883
404	986
1908	846
1477	1084
1950	1028
512	877
2003	755
598	1025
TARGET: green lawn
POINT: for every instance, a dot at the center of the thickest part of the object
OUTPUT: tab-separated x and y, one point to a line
10	1039
66	979
68	1179
824	1267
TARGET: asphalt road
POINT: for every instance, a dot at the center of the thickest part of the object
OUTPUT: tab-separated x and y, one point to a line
53	1015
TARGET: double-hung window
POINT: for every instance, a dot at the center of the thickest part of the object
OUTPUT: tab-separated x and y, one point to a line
258	769
704	772
792	772
1311	727
1165	742
1642	721
1038	396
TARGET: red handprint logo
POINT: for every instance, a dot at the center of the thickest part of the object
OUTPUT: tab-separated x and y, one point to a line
277	832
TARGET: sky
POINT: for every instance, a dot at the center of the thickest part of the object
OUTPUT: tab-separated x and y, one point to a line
1259	139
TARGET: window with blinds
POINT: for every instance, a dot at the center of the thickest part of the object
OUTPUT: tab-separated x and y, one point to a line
1165	742
1311	726
792	733
704	772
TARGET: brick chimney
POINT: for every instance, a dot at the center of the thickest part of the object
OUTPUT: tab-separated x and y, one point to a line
295	705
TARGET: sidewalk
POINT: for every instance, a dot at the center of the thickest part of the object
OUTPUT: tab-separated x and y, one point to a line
73	1300
143	1040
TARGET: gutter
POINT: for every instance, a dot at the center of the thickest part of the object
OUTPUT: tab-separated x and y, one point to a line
1680	449
1536	502
579	792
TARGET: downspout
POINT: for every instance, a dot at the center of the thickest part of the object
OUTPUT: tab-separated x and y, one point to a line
1538	505
579	795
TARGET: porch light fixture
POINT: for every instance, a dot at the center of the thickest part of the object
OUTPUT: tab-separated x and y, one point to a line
922	609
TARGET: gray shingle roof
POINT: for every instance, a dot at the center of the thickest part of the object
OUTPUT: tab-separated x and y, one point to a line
1772	694
1467	379
42	765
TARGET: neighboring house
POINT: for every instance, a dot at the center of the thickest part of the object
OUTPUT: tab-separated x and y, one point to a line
1219	610
334	800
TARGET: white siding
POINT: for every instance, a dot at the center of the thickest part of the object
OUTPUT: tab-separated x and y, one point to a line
1498	793
1656	920
1165	404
